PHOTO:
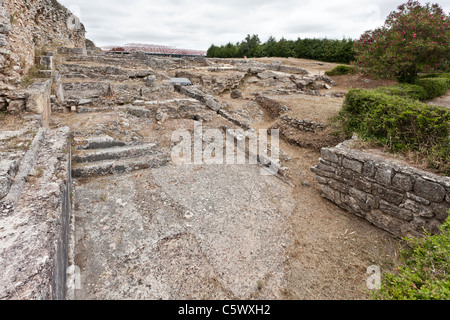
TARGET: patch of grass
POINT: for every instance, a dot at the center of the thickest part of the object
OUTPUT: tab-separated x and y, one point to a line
33	73
342	70
425	270
26	82
260	285
38	172
12	18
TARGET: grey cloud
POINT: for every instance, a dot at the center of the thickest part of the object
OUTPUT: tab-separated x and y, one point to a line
198	24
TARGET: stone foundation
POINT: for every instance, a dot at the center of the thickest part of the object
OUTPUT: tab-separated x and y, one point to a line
397	198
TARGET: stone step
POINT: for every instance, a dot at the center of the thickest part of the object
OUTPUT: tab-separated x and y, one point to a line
114	153
86	89
74	70
97	142
108	167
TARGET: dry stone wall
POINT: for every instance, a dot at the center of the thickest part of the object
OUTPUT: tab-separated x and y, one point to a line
30	26
397	198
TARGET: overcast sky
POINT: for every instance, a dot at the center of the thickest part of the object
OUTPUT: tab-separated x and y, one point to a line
189	24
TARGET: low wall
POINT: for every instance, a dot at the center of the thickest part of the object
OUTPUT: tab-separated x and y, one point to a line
302	125
35	221
397	198
274	108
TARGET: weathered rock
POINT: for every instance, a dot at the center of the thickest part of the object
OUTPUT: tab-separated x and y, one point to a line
39	99
429	190
16	106
236	94
150	80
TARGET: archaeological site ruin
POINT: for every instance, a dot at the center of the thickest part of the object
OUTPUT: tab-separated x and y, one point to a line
92	205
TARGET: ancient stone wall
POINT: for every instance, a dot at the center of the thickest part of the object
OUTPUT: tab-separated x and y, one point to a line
302	125
395	197
274	108
27	27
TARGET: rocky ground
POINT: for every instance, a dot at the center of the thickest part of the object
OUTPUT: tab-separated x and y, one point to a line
144	227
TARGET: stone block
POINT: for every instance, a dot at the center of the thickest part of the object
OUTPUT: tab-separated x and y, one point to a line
339	186
383	175
396	211
329	155
16	106
440	210
387	194
418	199
353	165
325	167
46	62
429	190
363	185
402	182
360	195
356	206
385	222
419	209
236	94
368	169
330	194
150	81
321	180
39	99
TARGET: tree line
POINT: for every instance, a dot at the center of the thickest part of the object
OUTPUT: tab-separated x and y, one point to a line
329	50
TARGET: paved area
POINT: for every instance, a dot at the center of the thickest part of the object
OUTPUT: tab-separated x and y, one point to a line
202	232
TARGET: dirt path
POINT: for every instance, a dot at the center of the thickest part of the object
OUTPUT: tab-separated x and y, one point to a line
443	101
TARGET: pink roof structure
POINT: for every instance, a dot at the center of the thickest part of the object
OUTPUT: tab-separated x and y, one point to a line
154	49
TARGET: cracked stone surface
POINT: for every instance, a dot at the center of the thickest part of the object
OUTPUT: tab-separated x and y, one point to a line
173	233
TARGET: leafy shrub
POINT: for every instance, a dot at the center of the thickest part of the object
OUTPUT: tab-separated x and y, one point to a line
434	87
425	270
341	70
436	75
401	124
405	90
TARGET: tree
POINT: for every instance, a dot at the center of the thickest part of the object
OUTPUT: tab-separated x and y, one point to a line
249	46
414	39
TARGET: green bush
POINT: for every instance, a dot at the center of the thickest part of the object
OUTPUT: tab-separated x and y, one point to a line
401	124
436	75
405	90
435	87
425	270
342	70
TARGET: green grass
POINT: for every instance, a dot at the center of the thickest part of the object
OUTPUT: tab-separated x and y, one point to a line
424	273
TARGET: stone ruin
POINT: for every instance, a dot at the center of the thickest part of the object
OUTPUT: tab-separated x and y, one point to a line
87	159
